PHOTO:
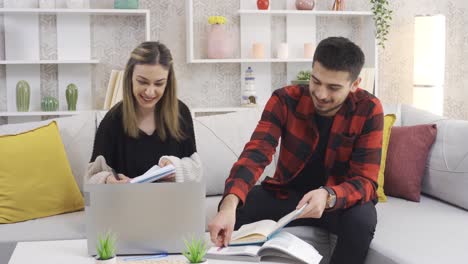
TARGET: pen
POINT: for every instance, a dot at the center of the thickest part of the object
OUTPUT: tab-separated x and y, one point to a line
116	176
162	255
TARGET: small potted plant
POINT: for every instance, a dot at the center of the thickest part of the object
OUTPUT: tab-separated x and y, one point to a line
195	250
303	78
106	249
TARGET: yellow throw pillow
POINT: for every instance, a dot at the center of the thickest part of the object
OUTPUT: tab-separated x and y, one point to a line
388	123
35	176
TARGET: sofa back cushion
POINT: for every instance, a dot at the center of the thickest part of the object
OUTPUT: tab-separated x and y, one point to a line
220	140
446	175
35	176
77	134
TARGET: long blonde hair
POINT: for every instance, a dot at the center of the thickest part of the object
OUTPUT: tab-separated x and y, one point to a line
167	109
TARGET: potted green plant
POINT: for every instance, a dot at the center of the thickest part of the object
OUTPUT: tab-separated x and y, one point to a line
106	249
382	18
195	250
302	78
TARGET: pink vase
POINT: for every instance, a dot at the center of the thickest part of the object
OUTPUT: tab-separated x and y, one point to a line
219	43
305	4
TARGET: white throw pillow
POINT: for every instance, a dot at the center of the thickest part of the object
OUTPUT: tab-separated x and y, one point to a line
220	141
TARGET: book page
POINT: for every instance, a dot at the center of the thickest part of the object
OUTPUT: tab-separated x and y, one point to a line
286	220
154	173
237	250
263	228
285	244
118	90
110	89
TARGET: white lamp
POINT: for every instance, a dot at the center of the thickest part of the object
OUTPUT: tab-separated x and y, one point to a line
429	63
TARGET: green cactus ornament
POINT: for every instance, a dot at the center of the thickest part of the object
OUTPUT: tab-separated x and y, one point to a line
23	95
72	96
49	104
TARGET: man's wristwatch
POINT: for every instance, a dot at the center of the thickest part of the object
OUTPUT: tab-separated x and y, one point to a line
331	199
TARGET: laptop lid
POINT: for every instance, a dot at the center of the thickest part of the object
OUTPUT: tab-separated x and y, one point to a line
147	218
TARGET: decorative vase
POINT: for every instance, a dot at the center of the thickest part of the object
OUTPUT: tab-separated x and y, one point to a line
72	96
126	4
338	5
219	42
263	4
305	4
49	104
23	94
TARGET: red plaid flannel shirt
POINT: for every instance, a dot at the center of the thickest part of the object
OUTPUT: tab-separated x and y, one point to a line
352	158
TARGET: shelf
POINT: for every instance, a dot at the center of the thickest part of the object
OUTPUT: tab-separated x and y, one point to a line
248	60
19	62
302	12
74	11
40	113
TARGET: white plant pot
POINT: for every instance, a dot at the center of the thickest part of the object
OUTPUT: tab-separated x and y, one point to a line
107	261
46	3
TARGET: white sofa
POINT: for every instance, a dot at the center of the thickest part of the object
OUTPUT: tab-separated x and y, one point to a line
432	231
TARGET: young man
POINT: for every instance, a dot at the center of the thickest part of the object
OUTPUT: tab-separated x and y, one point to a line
331	140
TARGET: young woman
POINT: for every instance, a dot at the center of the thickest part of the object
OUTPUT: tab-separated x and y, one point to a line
150	126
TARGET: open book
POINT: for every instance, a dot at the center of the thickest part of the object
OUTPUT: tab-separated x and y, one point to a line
283	246
260	231
154	173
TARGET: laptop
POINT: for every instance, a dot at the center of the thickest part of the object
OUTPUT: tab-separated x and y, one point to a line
147	218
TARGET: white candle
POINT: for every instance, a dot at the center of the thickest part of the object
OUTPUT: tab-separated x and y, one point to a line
309	50
283	51
258	50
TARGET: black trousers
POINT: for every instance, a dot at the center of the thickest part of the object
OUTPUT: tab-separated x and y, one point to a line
354	226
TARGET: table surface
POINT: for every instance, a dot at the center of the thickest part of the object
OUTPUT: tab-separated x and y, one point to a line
76	252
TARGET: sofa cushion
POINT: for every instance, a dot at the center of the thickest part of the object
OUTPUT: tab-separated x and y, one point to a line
393	109
220	141
58	227
447	173
35	176
427	232
77	133
447	168
406	160
389	120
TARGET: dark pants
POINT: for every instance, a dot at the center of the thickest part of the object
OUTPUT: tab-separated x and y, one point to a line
354	226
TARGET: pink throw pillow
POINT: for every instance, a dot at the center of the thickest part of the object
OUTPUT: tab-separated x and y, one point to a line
407	154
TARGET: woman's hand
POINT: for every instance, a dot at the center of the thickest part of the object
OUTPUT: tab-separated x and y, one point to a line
163	163
112	180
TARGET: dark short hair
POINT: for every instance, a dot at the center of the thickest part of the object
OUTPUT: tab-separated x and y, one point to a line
340	54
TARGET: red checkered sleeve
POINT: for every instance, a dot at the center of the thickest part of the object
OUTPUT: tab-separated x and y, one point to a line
361	181
258	152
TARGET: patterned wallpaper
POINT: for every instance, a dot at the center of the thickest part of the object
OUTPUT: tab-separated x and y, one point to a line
216	85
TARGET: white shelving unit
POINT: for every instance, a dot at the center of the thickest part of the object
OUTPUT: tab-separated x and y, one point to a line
22	58
300	27
14	62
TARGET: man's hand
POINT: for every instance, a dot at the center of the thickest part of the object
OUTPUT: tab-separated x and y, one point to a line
222	226
164	162
317	201
112	180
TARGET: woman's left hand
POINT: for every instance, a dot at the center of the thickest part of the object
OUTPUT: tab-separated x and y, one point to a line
171	177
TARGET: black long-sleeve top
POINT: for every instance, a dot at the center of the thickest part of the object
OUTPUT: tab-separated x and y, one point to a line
134	156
